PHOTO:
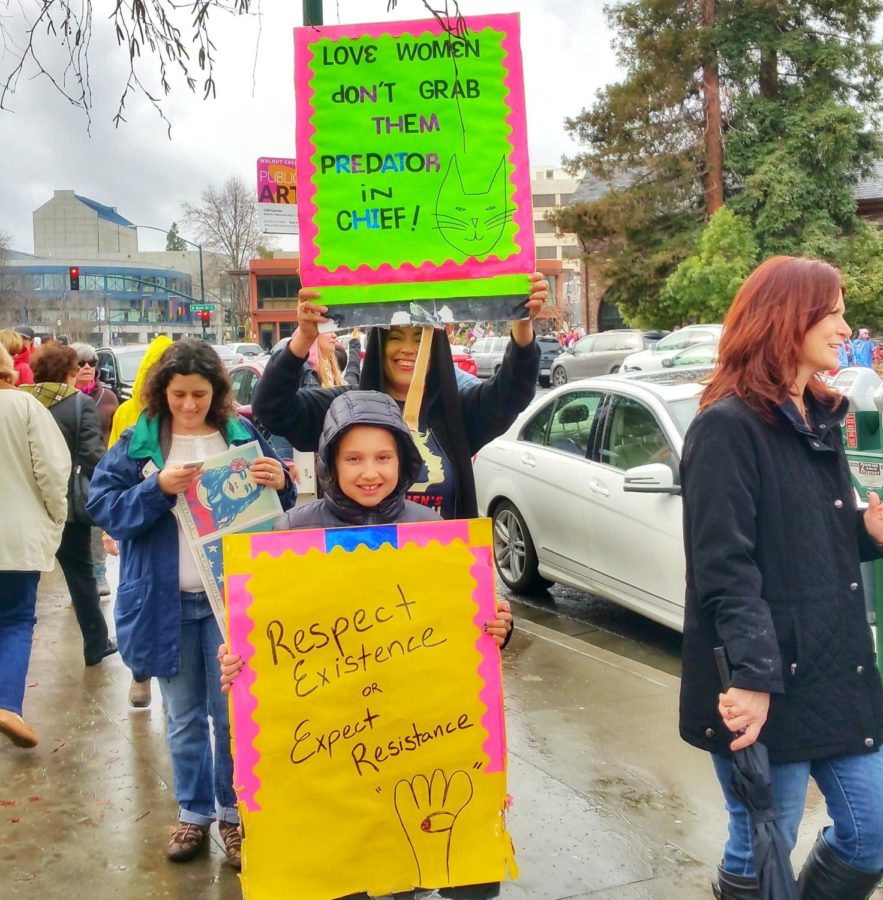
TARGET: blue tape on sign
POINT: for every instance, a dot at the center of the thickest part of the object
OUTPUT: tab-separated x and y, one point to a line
372	537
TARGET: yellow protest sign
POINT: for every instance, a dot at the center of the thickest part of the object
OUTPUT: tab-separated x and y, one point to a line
369	741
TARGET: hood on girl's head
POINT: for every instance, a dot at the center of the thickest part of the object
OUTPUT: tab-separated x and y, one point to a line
366	408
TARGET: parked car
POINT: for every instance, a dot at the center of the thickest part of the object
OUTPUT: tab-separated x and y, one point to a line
118	366
651	359
550	350
695	355
487	354
247	350
584	489
228	357
596	354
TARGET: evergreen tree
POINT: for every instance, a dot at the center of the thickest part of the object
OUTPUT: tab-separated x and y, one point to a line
800	85
173	240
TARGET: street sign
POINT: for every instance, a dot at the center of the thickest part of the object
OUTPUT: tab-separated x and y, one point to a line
202	307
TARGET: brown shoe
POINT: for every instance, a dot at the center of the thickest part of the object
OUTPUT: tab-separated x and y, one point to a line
232	838
16	729
139	693
186	841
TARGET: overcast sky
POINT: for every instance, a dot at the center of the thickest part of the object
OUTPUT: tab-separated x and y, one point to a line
45	146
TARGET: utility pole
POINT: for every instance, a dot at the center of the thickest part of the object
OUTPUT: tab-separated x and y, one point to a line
313	12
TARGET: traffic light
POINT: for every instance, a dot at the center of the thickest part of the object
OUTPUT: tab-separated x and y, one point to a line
74	272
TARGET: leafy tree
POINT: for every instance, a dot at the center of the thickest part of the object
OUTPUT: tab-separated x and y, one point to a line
800	85
226	222
173	240
704	284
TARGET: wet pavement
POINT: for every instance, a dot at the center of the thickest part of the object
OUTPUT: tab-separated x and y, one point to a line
608	802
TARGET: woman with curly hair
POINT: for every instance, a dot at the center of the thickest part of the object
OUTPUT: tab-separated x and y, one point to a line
165	624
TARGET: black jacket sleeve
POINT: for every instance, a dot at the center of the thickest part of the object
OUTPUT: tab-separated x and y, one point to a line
91	444
287	409
354	363
721	485
490	407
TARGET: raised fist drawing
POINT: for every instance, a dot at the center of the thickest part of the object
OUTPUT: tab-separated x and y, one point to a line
428	811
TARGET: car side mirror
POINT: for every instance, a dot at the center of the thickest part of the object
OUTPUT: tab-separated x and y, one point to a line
106	375
654	478
668	363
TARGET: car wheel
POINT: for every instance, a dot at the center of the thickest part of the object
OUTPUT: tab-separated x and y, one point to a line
544	381
559	376
614	370
514	551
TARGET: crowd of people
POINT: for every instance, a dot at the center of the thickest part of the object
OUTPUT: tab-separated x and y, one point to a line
773	537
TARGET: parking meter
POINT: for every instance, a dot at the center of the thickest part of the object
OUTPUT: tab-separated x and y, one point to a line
862	435
863	440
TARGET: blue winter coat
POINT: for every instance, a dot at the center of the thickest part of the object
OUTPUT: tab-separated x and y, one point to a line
133	509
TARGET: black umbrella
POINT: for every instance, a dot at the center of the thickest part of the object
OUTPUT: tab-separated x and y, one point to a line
751	784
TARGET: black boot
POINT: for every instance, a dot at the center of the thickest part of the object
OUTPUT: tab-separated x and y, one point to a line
735	887
825	876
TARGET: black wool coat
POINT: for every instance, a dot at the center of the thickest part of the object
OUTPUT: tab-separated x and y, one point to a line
773	544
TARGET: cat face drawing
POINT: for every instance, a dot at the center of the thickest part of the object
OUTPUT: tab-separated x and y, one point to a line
472	223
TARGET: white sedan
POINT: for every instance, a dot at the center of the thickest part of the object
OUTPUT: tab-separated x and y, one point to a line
653	359
583	490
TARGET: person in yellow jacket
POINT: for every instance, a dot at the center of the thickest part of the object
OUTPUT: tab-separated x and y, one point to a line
127	413
125	417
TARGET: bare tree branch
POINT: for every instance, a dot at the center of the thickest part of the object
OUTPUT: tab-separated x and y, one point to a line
174	36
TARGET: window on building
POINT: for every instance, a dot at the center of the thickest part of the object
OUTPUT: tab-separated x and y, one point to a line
92	282
544	199
550	174
571	252
543	227
278	287
547	253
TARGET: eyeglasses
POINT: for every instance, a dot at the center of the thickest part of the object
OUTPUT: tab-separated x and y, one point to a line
88	362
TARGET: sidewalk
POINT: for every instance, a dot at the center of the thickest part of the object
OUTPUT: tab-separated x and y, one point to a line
608	802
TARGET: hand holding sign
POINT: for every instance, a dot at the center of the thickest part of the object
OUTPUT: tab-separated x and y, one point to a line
428	811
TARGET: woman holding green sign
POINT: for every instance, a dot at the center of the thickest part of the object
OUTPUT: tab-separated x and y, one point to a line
450	424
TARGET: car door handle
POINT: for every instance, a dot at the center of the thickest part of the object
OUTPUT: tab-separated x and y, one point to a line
528	460
598	487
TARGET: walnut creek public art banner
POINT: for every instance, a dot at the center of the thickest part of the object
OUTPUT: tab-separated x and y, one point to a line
414	201
368	732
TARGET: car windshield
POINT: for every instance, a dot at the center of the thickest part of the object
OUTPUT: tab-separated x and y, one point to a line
683	412
129	363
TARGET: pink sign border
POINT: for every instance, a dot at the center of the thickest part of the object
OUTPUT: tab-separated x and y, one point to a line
523	262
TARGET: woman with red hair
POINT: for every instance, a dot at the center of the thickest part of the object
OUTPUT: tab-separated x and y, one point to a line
773	544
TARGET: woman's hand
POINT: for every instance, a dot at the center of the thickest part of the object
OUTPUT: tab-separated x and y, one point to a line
522	329
268	472
176	479
310	315
230	666
109	544
874	517
500	627
293	470
745	712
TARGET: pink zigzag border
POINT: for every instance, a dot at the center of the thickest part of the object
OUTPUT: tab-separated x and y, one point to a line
489	669
245	728
525	260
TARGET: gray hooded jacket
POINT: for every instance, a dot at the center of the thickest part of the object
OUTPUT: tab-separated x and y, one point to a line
335	509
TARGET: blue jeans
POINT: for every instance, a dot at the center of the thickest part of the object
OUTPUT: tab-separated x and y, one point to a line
18	604
852	787
203	780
